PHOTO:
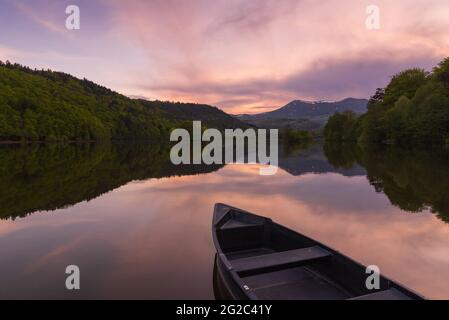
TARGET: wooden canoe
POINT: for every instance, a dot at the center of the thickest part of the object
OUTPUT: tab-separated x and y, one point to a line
258	259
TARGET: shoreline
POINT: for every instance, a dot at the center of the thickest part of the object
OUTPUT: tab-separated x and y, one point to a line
45	142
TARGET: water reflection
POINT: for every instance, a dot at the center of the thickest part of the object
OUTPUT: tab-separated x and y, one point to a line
311	159
414	180
49	177
145	232
44	178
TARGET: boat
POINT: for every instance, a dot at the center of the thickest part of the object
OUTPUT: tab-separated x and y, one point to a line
258	259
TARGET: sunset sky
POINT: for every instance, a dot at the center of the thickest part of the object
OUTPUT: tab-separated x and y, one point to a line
244	56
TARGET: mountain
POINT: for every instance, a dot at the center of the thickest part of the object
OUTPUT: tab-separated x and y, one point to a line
304	114
299	109
43	105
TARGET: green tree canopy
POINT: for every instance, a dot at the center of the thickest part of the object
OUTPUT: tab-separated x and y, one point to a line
412	109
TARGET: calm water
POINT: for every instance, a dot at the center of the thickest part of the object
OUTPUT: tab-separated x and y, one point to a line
139	227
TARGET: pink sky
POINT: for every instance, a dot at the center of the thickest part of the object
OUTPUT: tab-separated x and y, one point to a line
240	55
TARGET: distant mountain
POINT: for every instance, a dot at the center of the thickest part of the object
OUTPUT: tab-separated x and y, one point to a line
299	109
304	114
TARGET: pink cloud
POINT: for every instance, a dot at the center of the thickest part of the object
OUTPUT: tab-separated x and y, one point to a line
240	54
265	52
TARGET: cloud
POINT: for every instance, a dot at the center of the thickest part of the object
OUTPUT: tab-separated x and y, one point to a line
241	55
330	79
38	17
251	16
357	76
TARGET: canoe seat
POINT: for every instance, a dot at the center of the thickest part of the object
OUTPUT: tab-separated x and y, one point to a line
279	260
390	294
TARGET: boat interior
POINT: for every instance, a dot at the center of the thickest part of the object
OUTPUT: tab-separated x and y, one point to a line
275	263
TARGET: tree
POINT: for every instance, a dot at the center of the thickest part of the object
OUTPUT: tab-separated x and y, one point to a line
413	108
342	127
404	84
377	98
442	71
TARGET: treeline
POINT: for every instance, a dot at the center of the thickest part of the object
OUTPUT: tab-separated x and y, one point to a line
413	108
211	117
42	105
292	136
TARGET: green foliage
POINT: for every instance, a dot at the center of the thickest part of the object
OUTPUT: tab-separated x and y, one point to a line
441	72
377	98
412	109
404	84
51	106
395	119
342	127
210	117
291	136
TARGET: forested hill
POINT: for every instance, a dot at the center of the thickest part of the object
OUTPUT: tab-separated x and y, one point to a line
42	105
211	117
412	109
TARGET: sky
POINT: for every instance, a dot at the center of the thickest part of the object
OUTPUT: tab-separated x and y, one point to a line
243	56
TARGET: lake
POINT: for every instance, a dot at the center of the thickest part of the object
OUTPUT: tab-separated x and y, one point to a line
139	227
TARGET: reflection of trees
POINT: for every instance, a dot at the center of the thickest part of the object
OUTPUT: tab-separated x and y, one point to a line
341	155
413	179
311	159
41	178
295	147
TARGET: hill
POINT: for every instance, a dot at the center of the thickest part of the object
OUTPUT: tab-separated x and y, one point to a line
43	105
211	117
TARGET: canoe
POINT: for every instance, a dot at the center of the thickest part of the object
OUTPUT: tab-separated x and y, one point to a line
258	259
